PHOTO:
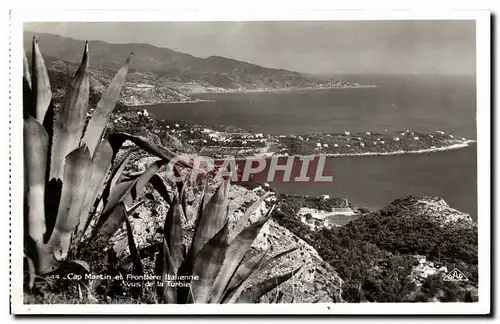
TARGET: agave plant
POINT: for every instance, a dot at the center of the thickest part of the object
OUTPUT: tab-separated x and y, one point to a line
70	183
217	266
67	166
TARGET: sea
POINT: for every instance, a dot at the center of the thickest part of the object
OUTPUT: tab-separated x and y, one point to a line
421	103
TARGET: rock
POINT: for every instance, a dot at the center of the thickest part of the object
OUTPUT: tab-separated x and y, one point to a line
172	142
434	209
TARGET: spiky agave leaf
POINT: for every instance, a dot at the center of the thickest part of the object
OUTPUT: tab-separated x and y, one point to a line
31	271
117	139
211	219
28	104
94	181
26	71
35	163
40	84
135	206
235	254
77	164
100	117
124	193
127	190
115	176
169	291
158	185
207	265
69	125
248	270
245	269
173	233
44	259
280	255
201	202
114	221
253	294
137	263
181	188
241	223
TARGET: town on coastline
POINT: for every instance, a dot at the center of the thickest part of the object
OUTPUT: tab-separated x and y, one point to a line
218	140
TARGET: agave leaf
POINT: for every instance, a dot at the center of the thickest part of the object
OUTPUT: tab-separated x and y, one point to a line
93	185
143	180
31	270
119	194
253	294
204	197
28	104
173	233
239	286
207	265
279	255
76	171
158	185
111	219
40	83
236	252
240	225
26	71
115	176
46	261
138	268
130	189
245	269
69	126
134	207
118	138
113	222
212	219
181	188
53	190
100	117
169	291
35	163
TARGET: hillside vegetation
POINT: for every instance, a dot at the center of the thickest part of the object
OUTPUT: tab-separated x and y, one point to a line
379	252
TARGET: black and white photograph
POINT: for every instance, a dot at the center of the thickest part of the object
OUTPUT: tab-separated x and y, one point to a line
256	163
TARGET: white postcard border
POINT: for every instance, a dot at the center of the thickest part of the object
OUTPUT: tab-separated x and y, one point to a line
273	13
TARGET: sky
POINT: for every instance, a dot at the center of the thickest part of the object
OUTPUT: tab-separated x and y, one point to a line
395	47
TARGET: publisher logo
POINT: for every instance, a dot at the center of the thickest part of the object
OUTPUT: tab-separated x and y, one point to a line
455	275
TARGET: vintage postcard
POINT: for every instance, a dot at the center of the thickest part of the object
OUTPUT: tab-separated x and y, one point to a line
250	162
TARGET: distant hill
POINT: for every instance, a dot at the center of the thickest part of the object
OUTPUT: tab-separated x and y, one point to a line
182	71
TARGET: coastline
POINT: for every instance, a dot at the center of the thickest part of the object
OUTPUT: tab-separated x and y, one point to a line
197	100
286	89
400	152
168	102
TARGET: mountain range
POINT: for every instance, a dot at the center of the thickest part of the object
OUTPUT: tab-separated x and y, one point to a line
161	68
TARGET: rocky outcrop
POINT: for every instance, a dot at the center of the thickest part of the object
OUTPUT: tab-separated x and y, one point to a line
434	209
